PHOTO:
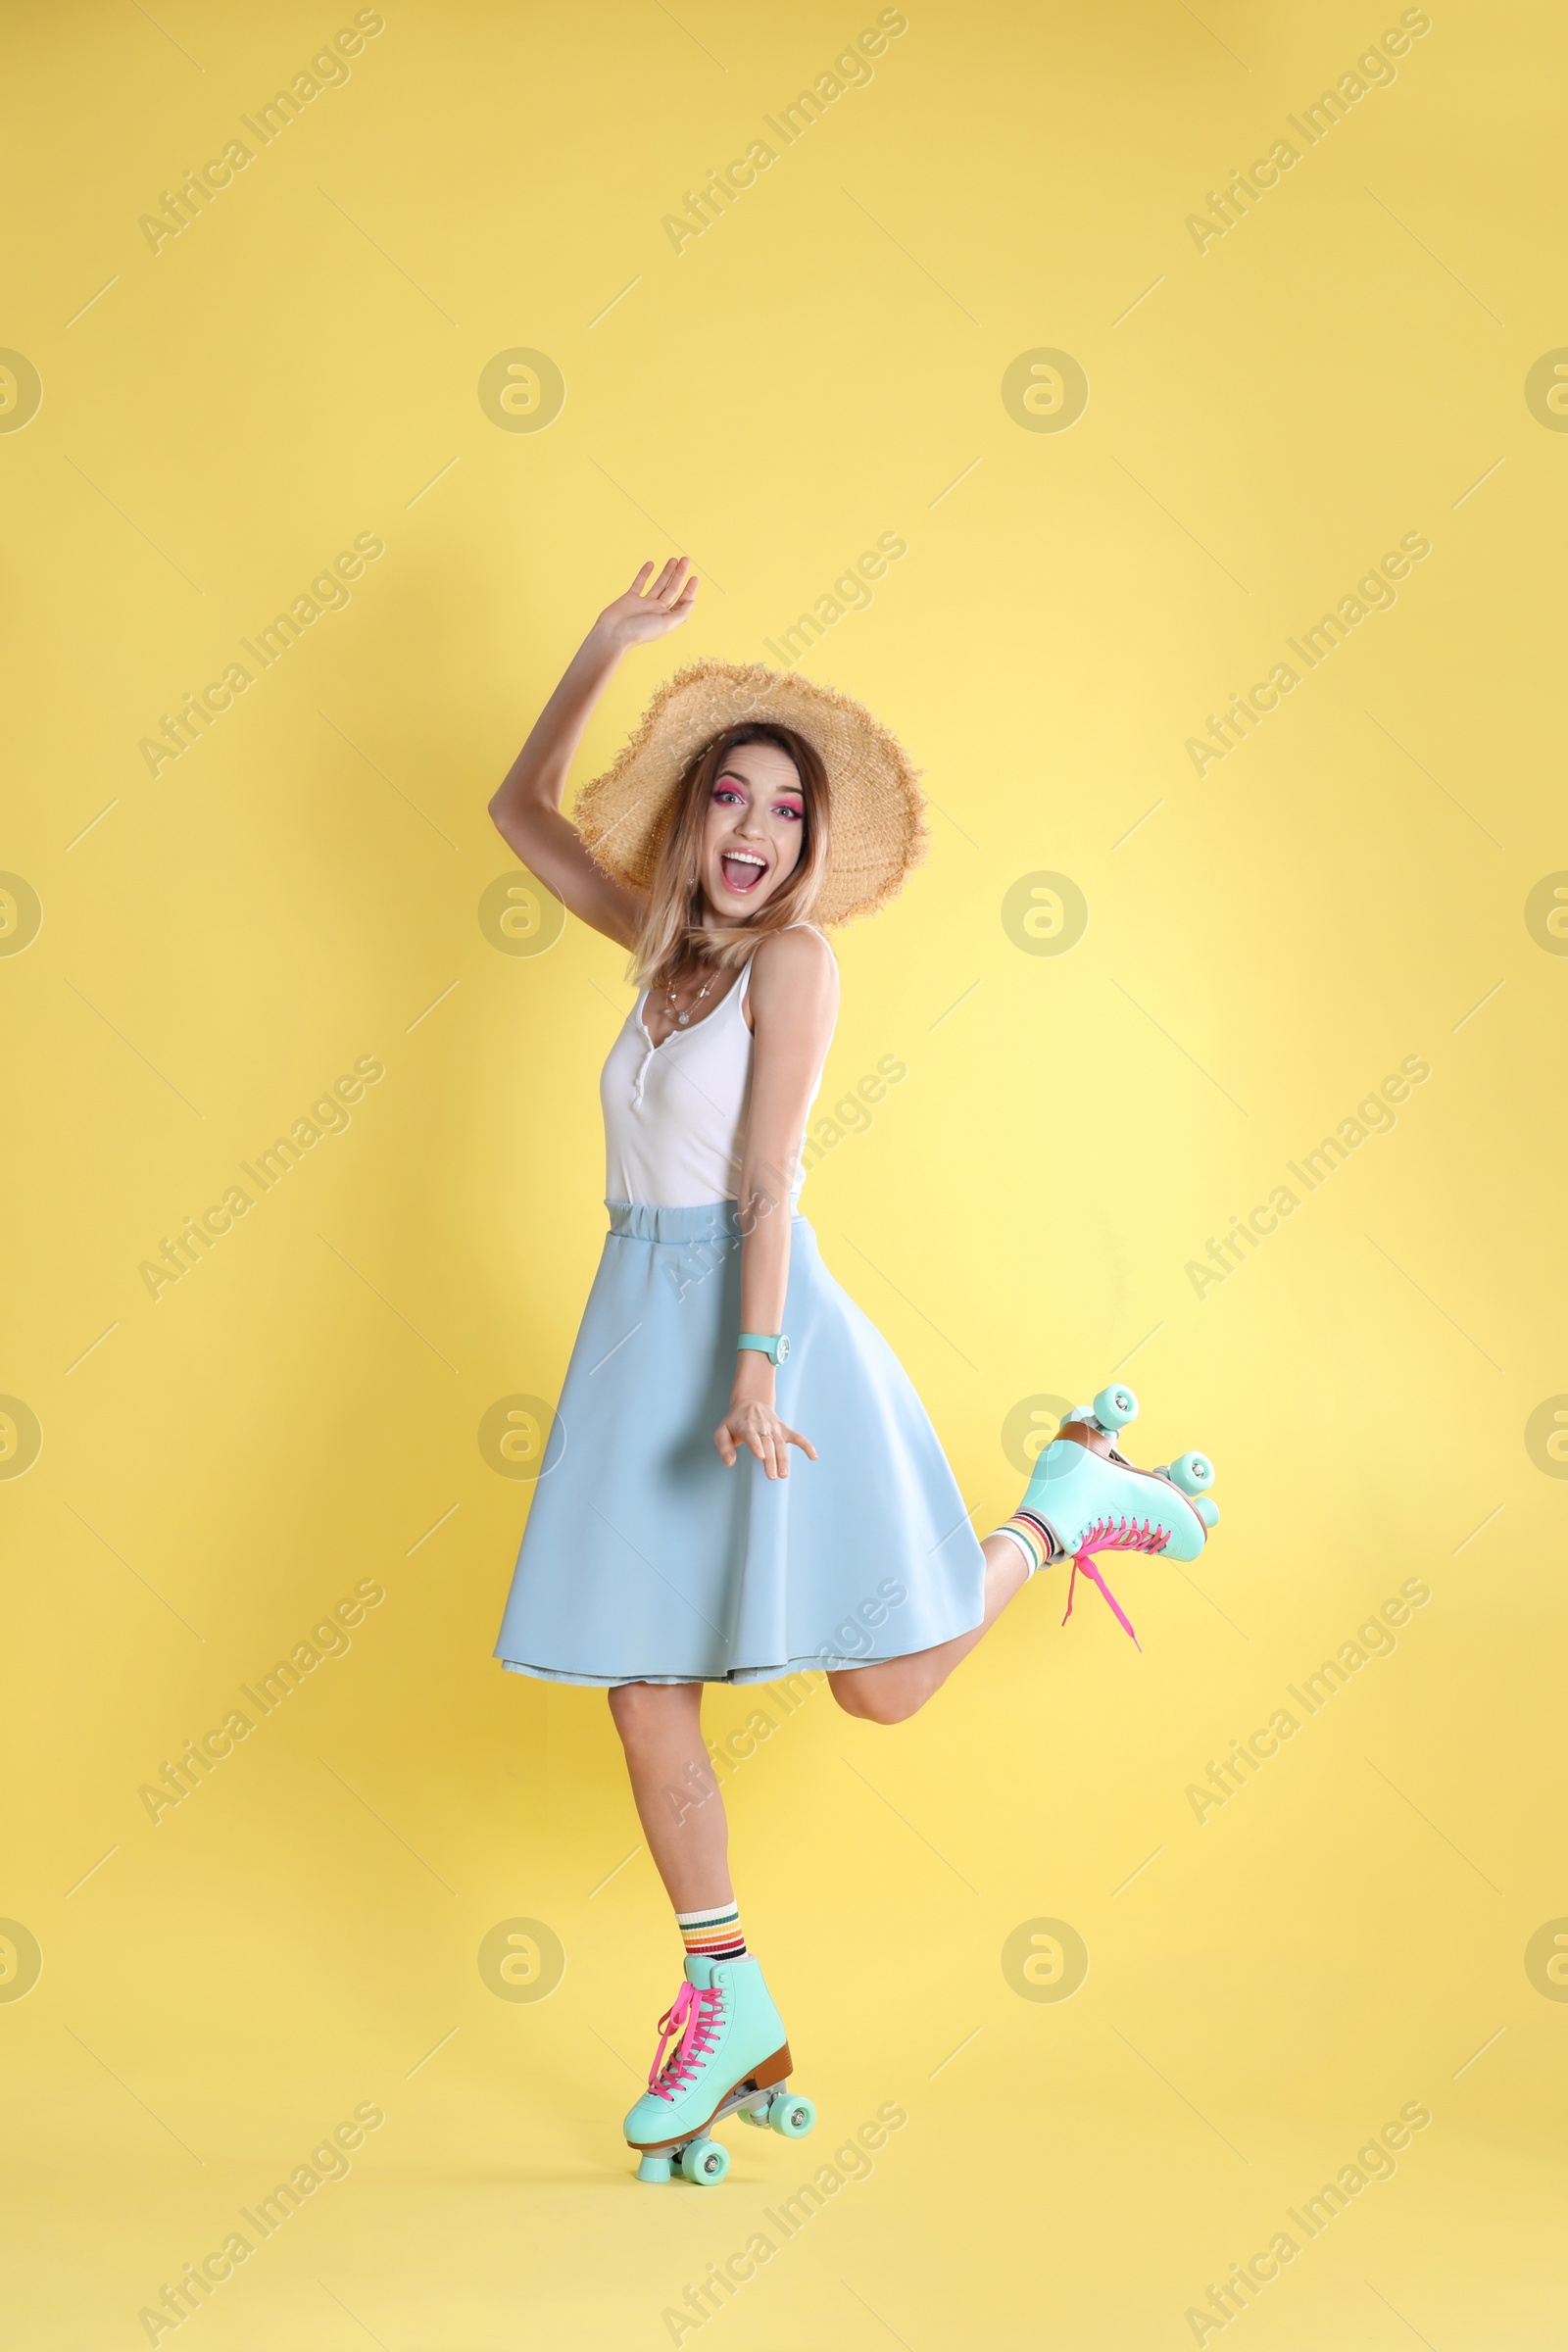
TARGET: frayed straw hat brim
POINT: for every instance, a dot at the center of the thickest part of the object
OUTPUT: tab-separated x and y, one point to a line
876	828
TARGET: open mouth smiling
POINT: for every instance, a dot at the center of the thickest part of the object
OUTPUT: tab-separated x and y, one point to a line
742	870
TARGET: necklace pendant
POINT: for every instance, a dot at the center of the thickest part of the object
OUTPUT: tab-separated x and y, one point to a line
682	1020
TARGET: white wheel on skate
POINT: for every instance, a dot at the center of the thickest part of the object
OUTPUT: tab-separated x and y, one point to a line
1114	1407
705	2163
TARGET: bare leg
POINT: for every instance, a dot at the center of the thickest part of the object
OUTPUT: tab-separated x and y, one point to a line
678	1802
896	1688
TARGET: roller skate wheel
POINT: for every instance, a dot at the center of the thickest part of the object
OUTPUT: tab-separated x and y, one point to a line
757	2115
705	2163
1192	1472
1207	1508
791	2117
653	2167
1114	1406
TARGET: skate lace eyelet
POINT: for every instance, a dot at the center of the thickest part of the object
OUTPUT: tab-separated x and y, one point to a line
689	2024
1112	1534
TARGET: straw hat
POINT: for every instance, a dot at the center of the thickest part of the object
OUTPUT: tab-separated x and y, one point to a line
876	832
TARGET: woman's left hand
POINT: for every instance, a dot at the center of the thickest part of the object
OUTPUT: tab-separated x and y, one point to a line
757	1427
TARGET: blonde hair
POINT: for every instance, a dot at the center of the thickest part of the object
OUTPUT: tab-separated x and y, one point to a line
672	927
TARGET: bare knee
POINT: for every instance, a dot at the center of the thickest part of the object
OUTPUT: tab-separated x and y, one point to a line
860	1692
646	1713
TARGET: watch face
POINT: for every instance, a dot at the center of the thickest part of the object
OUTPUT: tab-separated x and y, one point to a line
783	1347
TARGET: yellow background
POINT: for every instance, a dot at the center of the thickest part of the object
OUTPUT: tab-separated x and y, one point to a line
219	1467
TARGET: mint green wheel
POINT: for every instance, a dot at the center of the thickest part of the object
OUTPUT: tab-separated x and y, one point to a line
1192	1472
1207	1508
705	2163
1116	1405
791	2117
755	2115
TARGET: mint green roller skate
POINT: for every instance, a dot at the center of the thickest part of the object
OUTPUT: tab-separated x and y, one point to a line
1086	1498
729	2057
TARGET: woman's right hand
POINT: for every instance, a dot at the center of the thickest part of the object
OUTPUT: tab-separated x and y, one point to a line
645	612
753	1423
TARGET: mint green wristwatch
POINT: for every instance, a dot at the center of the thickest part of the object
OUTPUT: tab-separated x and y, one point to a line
775	1349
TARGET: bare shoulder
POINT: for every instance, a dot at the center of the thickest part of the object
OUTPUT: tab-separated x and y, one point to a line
795	977
794	964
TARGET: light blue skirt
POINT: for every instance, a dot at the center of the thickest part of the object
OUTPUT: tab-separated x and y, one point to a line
645	1559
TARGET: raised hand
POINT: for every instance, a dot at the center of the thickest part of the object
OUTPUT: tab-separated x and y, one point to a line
645	612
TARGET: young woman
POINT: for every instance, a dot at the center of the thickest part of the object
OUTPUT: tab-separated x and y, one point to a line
669	1542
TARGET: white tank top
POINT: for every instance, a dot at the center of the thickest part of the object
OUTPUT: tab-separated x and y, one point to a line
675	1113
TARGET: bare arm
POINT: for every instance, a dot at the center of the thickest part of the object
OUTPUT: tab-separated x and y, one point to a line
527	807
793	997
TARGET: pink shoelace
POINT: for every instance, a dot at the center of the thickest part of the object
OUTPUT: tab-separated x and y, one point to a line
689	2022
1114	1535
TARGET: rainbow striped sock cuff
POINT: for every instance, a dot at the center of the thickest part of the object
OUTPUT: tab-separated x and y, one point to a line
714	1933
1032	1538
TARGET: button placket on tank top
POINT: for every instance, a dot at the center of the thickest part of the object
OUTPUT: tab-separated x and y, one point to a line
674	1135
641	1070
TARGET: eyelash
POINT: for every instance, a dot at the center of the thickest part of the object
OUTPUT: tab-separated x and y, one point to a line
728	797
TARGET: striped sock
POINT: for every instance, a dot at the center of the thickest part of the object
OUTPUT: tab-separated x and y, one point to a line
714	1933
1032	1539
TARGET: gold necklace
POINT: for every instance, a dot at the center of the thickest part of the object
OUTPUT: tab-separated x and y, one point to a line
683	1020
